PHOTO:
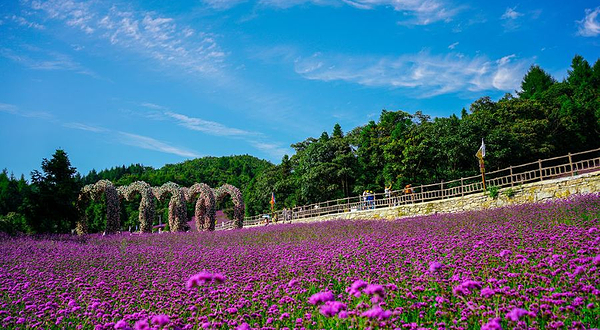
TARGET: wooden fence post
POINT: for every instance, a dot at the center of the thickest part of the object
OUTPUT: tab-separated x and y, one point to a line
462	188
511	176
571	164
442	184
541	173
422	194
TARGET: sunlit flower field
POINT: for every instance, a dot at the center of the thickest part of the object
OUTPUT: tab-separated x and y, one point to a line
522	267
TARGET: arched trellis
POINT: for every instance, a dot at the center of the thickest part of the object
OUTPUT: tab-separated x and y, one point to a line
146	207
238	202
205	205
177	205
95	191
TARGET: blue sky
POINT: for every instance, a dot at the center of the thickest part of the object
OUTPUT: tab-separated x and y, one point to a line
157	82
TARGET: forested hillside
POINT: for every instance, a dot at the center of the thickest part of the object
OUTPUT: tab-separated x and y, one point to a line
546	118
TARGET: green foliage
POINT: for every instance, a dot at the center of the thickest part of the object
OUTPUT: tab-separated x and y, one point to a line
535	83
14	223
510	193
51	202
493	191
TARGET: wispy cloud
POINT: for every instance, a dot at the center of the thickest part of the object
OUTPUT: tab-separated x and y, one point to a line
206	126
147	33
22	21
453	45
589	26
39	59
15	110
511	13
511	19
275	150
257	140
84	127
149	143
418	12
135	140
425	74
9	108
153	106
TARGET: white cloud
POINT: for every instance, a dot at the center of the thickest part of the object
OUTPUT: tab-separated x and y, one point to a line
84	127
206	126
453	45
39	59
9	108
589	26
257	140
419	12
223	4
511	13
153	106
14	110
275	150
511	19
149	143
146	33
425	74
22	21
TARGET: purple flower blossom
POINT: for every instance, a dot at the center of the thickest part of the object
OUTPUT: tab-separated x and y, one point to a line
434	266
331	308
320	297
160	320
515	314
377	313
465	287
141	325
505	253
487	292
202	278
243	326
121	324
493	324
374	289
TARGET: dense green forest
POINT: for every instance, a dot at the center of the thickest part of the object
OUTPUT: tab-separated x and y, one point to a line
545	118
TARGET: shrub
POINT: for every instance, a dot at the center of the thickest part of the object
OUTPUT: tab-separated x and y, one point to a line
493	192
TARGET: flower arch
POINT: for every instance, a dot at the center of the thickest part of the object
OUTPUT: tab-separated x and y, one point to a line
95	191
205	205
146	207
238	202
177	205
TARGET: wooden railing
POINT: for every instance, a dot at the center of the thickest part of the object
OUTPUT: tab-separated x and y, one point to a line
551	168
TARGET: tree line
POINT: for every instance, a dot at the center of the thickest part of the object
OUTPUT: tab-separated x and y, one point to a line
545	118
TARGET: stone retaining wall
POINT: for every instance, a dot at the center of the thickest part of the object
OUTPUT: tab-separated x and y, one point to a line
527	193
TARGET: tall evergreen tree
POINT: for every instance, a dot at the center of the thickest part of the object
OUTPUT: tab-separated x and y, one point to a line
535	82
53	196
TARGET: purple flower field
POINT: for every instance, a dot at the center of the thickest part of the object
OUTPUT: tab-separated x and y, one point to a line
521	267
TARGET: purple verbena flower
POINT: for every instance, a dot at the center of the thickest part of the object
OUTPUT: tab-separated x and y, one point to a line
141	325
493	324
434	266
121	324
320	297
515	314
331	308
160	320
375	289
487	292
